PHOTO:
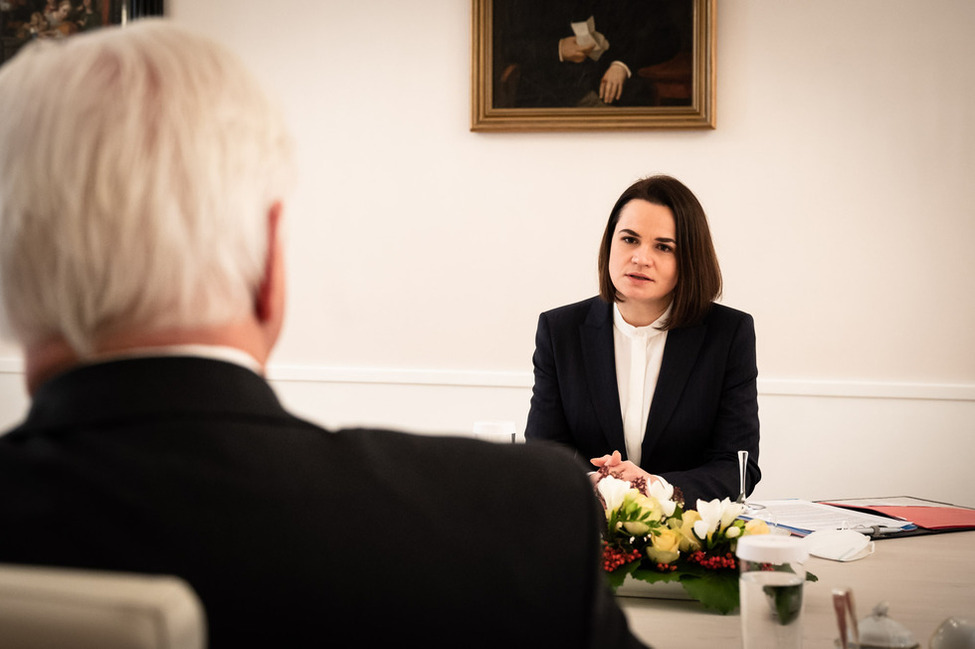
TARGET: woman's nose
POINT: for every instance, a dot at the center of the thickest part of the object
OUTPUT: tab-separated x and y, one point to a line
641	258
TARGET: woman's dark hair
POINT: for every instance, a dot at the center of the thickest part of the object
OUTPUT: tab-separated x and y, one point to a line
698	274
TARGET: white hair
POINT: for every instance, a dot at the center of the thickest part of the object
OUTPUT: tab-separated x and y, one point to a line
137	169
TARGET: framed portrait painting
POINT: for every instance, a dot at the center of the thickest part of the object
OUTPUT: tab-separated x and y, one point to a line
563	65
22	21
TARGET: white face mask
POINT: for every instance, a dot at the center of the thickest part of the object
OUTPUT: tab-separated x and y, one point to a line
839	545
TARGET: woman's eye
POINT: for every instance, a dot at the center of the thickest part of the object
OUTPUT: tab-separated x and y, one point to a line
665	247
629	240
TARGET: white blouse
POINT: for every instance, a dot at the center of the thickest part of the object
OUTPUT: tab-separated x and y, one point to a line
639	353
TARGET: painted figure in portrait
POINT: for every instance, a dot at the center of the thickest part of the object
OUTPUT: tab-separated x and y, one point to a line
592	53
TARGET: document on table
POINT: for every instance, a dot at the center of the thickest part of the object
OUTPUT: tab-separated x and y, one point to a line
803	517
927	514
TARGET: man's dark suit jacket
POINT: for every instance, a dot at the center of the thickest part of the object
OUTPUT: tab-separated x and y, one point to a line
294	536
704	408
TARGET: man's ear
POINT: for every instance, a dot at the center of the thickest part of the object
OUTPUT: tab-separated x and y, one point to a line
269	301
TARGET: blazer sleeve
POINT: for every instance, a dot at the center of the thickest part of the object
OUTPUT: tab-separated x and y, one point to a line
735	426
546	415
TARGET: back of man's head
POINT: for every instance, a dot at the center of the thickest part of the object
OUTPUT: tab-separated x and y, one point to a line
137	169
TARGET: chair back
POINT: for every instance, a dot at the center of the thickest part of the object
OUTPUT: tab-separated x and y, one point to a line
82	609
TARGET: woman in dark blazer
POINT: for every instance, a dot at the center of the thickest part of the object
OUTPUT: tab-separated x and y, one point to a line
652	368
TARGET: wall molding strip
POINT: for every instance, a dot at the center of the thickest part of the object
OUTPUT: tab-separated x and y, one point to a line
840	388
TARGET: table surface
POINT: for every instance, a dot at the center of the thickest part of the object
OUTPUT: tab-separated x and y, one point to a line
925	579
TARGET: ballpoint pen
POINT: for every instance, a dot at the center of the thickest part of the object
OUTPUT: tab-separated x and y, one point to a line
879	531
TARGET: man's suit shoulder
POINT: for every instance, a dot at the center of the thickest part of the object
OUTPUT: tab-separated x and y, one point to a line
460	457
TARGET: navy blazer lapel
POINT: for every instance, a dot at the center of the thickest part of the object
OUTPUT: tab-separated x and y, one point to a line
680	352
599	359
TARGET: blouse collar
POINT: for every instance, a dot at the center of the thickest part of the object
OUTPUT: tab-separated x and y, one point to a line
655	328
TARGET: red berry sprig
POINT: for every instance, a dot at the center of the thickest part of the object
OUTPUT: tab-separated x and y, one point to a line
614	557
716	562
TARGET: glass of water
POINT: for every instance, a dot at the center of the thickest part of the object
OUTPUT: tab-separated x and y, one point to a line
495	431
770	586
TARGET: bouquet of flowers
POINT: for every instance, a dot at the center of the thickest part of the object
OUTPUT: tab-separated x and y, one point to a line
651	537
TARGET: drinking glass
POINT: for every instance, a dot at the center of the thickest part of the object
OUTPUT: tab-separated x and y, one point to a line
750	507
495	431
770	587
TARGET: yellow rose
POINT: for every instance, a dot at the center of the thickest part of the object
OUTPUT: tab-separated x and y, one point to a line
688	541
634	501
756	526
665	546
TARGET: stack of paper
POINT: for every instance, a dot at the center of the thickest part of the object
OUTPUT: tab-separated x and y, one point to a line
803	517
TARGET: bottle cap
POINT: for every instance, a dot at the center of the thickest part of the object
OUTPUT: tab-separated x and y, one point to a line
772	548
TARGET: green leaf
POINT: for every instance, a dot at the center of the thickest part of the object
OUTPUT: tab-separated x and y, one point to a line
617	577
718	590
785	601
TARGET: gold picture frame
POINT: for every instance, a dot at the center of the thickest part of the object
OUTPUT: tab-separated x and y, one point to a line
681	89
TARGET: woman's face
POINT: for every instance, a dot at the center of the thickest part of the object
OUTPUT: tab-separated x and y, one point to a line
642	256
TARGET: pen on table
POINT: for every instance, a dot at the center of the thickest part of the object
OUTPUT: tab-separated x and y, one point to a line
881	530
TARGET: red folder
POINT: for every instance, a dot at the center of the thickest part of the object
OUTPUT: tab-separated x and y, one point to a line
932	518
936	516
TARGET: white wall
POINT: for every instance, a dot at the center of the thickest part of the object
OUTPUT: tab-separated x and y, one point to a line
838	185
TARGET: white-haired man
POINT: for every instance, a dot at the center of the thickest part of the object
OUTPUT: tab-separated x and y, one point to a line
141	272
